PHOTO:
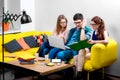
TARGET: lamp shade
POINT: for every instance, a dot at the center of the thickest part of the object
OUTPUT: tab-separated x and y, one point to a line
25	18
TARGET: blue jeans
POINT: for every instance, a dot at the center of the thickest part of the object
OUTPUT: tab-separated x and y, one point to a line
44	49
53	52
66	55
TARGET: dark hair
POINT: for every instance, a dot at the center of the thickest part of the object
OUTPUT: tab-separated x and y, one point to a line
78	16
97	20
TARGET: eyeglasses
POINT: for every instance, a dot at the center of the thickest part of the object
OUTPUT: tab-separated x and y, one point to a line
77	22
63	22
93	24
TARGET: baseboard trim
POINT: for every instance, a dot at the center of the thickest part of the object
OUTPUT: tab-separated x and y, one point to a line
114	77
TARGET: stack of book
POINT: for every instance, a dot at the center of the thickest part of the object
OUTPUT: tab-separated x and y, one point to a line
26	59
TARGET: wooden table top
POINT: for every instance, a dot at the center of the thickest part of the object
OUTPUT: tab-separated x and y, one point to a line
41	67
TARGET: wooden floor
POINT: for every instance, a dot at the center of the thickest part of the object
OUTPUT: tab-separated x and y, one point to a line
58	76
93	76
110	77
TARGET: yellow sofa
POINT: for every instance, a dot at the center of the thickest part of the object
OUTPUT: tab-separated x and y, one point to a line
12	56
102	55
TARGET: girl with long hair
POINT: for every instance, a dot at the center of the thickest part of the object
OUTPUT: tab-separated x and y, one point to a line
60	30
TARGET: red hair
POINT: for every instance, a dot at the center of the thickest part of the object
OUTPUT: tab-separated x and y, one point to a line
98	21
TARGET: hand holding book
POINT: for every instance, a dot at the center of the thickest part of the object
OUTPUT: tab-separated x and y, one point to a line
80	45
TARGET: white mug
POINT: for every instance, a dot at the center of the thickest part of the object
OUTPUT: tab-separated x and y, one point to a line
37	55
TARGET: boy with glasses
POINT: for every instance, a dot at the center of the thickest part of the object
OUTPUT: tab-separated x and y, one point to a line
79	32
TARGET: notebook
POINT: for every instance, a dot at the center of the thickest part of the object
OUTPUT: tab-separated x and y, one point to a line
57	42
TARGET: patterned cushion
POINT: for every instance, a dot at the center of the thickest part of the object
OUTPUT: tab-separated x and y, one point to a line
39	39
12	46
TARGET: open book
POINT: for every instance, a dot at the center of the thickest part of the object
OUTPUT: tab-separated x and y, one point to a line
80	45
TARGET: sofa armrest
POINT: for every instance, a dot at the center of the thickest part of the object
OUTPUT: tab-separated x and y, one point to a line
103	55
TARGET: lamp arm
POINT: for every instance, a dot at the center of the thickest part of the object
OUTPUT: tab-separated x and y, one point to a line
11	17
16	17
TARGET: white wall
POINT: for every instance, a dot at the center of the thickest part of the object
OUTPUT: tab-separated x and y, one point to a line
28	6
13	6
1	11
46	12
16	7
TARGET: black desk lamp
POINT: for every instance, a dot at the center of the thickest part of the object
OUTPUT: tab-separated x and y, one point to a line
24	19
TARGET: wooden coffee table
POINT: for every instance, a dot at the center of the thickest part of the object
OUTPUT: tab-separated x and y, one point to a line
39	67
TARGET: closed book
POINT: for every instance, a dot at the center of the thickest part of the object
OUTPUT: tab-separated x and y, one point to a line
22	61
26	57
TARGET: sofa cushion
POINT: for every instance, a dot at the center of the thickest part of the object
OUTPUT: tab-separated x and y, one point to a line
41	38
30	40
38	39
12	46
9	37
23	44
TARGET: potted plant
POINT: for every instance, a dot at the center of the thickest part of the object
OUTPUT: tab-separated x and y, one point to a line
6	21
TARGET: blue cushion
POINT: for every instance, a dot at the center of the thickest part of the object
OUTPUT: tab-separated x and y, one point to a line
30	40
12	46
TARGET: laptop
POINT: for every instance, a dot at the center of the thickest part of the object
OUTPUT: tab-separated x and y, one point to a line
57	42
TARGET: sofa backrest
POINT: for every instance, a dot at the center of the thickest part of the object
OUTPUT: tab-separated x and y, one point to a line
9	37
